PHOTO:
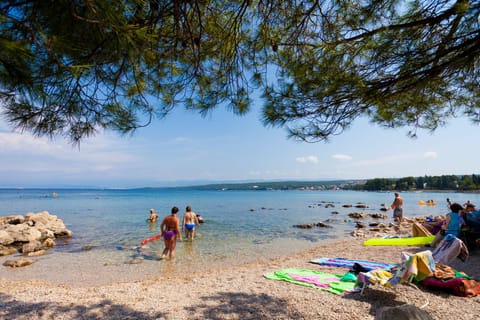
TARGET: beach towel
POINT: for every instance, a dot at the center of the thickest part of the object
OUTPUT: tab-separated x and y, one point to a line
348	263
314	279
414	267
450	248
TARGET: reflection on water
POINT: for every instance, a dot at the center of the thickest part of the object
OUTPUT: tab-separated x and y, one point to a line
152	226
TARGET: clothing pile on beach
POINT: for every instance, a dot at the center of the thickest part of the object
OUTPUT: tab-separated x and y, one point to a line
426	268
423	269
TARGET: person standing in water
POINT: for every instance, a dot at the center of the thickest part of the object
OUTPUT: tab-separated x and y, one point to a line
397	206
170	229
190	221
153	216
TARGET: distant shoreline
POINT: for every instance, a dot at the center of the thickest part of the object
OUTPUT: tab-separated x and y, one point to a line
444	191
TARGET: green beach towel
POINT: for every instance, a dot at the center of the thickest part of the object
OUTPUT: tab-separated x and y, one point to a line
313	279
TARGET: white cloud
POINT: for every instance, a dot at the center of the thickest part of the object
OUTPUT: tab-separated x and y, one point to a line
33	154
342	157
310	159
15	142
430	155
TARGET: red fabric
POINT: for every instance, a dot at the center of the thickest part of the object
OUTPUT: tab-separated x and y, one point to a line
458	286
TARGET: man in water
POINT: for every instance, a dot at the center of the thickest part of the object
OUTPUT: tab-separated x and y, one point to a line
190	221
170	228
397	207
153	216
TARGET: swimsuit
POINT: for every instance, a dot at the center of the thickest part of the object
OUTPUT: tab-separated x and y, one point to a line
398	212
190	226
169	234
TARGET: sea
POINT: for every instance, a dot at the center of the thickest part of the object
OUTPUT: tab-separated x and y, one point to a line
239	226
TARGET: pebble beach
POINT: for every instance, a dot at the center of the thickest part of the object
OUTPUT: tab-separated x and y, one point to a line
237	292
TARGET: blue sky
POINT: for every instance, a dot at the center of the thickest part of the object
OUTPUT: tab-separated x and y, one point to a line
185	149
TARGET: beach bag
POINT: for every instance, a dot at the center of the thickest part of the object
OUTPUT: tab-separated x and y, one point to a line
467	288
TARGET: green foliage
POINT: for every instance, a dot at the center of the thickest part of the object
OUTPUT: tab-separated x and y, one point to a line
73	67
445	182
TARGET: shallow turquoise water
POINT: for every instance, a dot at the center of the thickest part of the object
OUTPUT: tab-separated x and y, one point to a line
239	225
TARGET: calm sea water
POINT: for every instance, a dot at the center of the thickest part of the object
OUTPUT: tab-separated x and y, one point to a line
239	226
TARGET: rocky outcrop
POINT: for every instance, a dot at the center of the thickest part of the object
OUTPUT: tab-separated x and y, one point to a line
311	225
30	235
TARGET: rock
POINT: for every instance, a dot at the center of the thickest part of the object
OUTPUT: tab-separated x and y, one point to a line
359	224
403	312
322	225
6	251
48	243
30	235
378	216
304	226
31	246
23	233
37	253
50	222
361	205
357	215
16	263
6	238
15	219
47	234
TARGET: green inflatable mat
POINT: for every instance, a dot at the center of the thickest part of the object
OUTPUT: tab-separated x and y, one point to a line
410	241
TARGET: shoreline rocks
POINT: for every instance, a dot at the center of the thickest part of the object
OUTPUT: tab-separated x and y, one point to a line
30	235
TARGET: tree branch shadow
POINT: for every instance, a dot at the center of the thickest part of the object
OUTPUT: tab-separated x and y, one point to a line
105	309
237	305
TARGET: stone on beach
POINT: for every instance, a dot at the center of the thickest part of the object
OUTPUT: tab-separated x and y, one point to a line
30	234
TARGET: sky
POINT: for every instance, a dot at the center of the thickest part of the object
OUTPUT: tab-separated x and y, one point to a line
187	149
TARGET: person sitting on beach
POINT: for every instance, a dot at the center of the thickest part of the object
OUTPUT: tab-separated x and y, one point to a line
170	229
190	220
153	216
397	206
469	207
451	226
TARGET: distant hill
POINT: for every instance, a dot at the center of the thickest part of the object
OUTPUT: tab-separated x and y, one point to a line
425	183
281	185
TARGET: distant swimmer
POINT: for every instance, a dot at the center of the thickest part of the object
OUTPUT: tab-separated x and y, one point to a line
170	228
190	221
153	216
